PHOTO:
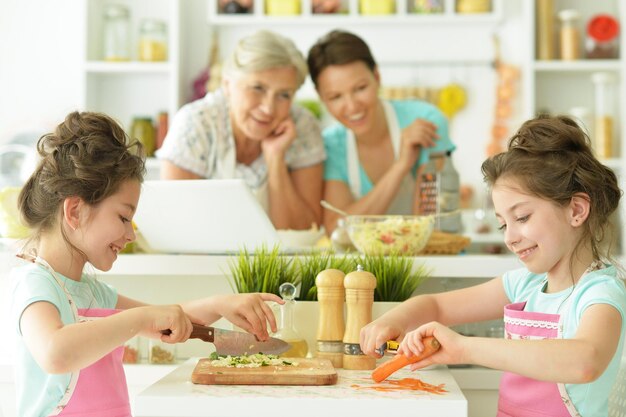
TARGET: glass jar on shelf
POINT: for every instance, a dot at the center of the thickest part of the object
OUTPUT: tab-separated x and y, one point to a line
161	353
582	116
605	112
116	33
152	40
131	351
427	6
569	34
142	129
235	6
473	6
602	37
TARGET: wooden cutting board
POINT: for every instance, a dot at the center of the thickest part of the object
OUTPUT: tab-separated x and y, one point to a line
314	371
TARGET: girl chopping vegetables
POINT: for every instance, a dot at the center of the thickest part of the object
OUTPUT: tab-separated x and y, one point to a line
564	311
69	327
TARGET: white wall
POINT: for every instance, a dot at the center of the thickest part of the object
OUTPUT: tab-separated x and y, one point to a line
40	61
40	65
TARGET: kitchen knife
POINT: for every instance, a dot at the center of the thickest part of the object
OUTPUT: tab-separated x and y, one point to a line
229	342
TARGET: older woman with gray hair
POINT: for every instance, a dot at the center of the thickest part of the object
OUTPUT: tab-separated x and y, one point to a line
250	128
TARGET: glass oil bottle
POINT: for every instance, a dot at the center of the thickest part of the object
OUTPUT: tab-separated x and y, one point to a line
287	332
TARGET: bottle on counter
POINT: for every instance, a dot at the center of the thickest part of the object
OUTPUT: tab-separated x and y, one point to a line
116	33
439	192
287	332
570	34
604	84
340	239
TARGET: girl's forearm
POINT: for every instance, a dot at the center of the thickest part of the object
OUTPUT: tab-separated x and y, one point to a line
76	346
556	360
203	311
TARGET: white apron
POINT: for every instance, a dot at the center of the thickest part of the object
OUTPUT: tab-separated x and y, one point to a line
403	202
227	169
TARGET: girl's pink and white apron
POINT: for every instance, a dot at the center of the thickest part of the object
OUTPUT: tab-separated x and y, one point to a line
100	389
526	397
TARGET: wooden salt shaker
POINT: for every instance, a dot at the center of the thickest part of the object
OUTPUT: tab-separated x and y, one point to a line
359	299
330	327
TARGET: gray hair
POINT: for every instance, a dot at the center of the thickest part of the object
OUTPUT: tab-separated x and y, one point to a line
265	50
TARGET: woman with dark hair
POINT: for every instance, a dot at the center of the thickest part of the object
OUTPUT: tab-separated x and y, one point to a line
375	150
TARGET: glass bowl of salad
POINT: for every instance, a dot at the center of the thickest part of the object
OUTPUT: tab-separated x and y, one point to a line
390	234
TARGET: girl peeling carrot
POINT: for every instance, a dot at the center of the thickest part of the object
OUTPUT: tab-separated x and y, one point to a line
564	311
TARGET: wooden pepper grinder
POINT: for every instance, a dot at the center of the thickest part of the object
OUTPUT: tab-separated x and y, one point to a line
330	327
359	286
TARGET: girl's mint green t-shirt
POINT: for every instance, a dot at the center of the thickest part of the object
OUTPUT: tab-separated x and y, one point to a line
37	391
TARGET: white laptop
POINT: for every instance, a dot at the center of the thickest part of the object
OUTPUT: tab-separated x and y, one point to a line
202	217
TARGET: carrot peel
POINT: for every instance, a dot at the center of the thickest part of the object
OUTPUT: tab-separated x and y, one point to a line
431	345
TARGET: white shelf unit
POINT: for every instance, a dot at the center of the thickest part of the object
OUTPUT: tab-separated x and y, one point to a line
350	12
557	85
131	89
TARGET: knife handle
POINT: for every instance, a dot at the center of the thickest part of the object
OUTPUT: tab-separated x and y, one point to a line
199	331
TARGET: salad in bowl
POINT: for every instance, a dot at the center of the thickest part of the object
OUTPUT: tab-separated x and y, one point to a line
390	234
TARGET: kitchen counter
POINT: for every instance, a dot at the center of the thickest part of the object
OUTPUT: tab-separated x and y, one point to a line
176	396
441	266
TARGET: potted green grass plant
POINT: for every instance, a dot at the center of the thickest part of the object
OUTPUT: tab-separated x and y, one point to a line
262	271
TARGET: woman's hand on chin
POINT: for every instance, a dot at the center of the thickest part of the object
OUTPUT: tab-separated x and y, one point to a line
277	143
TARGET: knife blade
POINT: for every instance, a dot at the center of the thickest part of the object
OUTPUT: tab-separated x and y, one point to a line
230	342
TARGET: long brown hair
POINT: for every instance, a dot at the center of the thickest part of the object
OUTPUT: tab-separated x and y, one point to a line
551	158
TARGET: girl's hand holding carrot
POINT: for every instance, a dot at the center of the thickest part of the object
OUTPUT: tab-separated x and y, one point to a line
452	351
430	345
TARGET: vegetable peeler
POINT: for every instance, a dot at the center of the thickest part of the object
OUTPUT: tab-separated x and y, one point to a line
390	347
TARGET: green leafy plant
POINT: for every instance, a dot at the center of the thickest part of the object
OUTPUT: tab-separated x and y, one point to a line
262	271
395	278
265	270
307	267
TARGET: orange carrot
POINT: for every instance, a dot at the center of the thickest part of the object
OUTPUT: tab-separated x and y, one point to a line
431	345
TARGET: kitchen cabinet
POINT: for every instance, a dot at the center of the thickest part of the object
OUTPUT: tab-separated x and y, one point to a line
132	88
557	86
126	89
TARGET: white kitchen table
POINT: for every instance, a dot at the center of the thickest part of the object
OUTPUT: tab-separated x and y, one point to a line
176	396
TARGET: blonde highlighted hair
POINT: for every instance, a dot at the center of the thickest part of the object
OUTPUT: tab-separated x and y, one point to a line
264	50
